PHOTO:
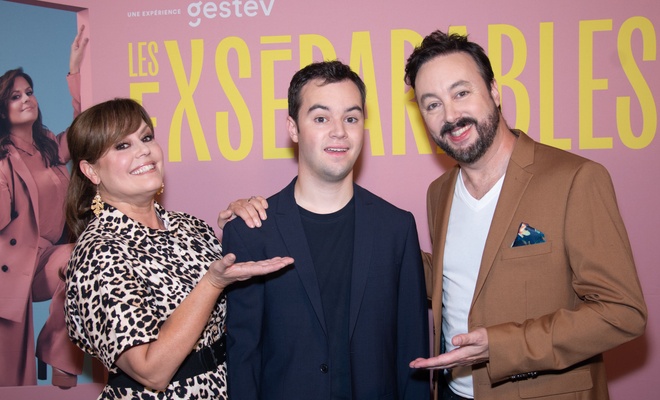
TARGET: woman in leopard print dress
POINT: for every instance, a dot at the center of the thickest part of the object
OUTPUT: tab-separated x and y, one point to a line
144	285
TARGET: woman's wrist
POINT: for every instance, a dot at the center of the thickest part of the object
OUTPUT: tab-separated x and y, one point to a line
216	284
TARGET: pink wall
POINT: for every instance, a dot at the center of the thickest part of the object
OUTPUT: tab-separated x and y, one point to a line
577	75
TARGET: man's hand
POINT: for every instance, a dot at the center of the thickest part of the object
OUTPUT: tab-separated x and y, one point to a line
252	211
472	349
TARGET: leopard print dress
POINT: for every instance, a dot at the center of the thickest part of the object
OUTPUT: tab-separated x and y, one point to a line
125	279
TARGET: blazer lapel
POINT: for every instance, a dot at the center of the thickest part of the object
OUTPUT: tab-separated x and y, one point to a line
438	225
513	188
24	174
293	235
361	255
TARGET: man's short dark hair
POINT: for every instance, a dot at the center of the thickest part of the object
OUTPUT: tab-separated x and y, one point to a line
326	72
439	44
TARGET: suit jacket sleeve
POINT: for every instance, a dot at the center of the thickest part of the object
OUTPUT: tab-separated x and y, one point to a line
245	302
413	328
610	309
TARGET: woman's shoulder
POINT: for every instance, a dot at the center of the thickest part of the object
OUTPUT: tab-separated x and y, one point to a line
93	239
50	134
194	228
4	166
6	152
188	220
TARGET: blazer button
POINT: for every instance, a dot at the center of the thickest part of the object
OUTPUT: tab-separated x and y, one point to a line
324	368
5	268
12	242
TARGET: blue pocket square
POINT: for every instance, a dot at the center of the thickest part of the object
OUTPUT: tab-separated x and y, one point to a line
528	235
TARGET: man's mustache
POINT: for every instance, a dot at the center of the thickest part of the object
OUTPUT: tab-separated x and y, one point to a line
448	126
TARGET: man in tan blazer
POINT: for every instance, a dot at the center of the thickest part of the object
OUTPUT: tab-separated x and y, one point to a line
532	276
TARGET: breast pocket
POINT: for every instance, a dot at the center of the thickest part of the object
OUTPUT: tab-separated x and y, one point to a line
526	251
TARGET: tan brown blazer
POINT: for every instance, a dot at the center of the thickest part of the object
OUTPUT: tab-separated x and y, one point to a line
549	308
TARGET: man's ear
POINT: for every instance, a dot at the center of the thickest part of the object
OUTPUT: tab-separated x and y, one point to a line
292	127
495	92
88	170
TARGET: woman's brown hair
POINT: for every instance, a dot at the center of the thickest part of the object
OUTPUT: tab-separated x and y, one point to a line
90	136
46	146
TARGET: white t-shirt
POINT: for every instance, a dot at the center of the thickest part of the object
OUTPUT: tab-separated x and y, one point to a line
469	222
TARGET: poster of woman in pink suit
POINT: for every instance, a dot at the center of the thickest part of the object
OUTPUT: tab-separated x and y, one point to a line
34	247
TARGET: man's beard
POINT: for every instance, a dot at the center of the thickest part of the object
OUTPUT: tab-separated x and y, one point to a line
474	152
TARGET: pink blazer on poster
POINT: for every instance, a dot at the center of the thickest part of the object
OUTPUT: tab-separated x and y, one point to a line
22	279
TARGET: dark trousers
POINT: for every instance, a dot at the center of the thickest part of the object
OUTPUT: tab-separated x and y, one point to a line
447	394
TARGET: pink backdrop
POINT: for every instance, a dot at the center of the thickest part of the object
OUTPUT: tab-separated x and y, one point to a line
577	75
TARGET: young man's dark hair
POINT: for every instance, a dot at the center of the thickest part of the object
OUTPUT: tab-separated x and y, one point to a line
327	72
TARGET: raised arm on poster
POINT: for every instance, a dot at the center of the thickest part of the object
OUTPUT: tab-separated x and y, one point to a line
33	249
145	285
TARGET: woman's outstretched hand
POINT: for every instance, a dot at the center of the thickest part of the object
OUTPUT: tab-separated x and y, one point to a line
225	271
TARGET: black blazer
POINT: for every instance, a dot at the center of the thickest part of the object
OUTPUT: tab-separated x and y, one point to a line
277	343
